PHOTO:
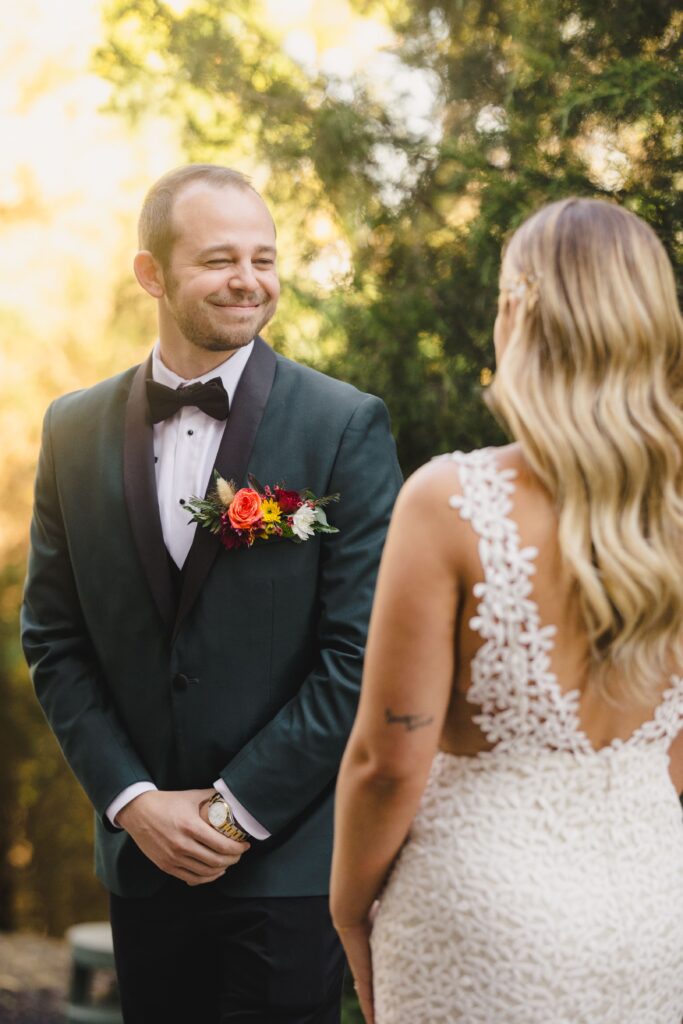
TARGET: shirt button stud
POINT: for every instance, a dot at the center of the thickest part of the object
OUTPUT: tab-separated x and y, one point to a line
190	432
182	501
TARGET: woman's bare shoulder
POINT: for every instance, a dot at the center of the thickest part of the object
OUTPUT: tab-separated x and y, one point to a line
434	482
440	477
425	503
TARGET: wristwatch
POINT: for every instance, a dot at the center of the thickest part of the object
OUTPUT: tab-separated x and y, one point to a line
223	820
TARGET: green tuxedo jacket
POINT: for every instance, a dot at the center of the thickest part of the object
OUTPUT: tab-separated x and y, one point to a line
254	673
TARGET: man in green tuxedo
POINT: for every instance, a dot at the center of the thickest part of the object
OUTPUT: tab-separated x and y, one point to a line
203	695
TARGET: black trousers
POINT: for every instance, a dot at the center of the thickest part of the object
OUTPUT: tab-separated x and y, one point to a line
190	955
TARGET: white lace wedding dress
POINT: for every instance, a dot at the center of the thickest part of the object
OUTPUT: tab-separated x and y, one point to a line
542	881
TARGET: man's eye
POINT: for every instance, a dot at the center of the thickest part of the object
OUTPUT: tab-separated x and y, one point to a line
265	263
216	263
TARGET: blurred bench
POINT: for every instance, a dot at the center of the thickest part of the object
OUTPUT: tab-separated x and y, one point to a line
92	967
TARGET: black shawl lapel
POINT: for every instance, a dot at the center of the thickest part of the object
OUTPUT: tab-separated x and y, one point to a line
232	460
139	482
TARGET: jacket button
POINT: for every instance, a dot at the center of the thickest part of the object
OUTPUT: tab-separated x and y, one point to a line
179	681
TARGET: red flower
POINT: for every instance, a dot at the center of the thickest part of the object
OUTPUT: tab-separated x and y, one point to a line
231	539
289	501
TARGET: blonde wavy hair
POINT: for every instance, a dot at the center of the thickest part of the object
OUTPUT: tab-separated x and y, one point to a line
591	386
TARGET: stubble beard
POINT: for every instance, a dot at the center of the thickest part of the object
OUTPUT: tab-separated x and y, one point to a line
201	333
198	328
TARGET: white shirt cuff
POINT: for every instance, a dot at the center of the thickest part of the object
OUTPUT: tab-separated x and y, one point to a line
242	816
125	797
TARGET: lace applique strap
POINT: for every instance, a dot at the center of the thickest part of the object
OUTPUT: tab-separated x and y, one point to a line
486	493
666	723
522	706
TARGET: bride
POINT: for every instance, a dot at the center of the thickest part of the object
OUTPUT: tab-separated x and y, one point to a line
509	793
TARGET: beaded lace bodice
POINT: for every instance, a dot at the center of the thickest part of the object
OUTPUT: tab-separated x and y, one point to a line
541	881
523	708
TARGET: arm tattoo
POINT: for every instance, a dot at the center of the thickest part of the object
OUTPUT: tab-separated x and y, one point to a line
410	722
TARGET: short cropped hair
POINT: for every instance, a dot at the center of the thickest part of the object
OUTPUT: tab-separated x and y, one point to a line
156	233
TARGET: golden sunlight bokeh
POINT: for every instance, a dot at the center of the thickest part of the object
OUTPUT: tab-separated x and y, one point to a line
72	178
70	175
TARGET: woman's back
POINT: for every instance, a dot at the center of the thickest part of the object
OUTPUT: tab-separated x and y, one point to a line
552	591
542	878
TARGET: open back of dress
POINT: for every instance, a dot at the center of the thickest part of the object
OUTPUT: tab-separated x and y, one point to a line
542	880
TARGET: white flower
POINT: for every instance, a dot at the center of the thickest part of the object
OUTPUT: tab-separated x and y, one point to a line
302	522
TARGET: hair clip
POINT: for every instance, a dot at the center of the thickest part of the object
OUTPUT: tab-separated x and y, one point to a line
524	286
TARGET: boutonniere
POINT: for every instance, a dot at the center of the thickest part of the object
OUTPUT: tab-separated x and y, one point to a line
255	513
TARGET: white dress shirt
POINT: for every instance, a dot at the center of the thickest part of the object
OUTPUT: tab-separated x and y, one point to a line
185	449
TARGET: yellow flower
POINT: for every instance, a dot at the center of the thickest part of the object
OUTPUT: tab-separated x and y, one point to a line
270	511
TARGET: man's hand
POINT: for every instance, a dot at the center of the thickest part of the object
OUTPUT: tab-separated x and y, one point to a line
169	829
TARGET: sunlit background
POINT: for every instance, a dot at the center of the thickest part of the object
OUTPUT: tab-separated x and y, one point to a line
397	142
72	178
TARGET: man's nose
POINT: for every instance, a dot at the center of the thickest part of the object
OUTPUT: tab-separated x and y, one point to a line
243	278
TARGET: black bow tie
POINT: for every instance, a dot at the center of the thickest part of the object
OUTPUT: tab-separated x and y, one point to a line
211	398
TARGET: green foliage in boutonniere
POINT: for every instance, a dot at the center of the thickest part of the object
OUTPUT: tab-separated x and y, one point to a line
241	517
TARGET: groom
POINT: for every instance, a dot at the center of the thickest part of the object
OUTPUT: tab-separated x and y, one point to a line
201	695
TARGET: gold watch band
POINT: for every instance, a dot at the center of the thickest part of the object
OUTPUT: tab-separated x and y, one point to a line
233	832
230	827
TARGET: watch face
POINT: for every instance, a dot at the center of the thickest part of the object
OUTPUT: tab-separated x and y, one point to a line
218	813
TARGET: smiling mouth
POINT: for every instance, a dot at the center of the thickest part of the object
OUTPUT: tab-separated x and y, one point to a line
236	305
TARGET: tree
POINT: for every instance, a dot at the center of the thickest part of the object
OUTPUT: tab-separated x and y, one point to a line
531	102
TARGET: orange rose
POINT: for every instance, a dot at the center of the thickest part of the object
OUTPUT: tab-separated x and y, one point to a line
245	509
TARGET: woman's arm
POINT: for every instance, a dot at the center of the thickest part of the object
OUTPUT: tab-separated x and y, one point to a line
404	698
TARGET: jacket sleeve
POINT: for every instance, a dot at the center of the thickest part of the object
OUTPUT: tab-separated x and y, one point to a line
295	757
64	667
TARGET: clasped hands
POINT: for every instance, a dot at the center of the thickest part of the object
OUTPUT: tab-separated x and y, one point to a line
172	829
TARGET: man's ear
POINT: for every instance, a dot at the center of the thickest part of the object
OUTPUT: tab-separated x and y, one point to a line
149	274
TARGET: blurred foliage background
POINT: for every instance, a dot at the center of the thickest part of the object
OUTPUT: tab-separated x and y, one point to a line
397	142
